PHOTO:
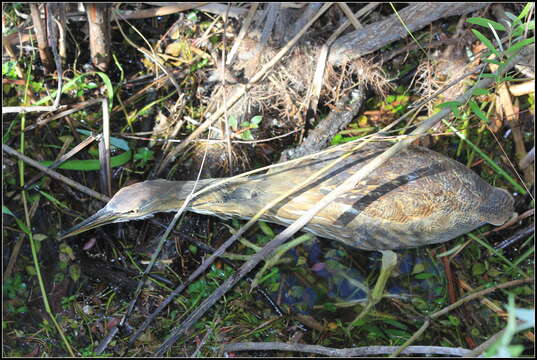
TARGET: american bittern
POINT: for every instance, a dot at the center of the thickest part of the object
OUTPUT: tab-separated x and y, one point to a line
417	197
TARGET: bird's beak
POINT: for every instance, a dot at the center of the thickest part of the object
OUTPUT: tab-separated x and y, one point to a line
101	217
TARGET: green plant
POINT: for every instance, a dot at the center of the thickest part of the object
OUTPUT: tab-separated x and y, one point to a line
245	126
143	156
504	348
15	289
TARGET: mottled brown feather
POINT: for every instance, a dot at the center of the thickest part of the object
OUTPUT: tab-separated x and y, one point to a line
417	197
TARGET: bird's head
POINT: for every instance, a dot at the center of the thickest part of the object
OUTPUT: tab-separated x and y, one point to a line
134	202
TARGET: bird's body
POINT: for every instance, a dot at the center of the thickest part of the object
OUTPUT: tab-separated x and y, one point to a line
417	197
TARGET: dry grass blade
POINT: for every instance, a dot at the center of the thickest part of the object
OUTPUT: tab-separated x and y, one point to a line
314	92
143	51
239	93
242	33
352	18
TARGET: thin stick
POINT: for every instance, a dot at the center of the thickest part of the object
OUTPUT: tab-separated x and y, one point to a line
62	159
348	352
242	33
54	174
104	151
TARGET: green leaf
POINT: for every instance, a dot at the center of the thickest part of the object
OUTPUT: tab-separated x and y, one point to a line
454	320
418	268
478	269
337	139
485	23
232	122
424	276
40	237
476	110
21	224
449	104
5	210
527	8
509	78
144	155
267	230
453	106
480	92
396	324
247	135
193	249
486	42
117	142
52	199
492	61
192	16
487	76
519	45
522	28
329	307
8	69
91	164
74	272
256	119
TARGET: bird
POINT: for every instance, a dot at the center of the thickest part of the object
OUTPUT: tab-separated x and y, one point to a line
417	197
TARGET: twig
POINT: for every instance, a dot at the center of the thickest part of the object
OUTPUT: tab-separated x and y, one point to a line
519	235
218	9
348	352
104	151
75	108
23	109
510	222
351	17
62	159
159	11
203	341
314	90
242	33
54	174
224	97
